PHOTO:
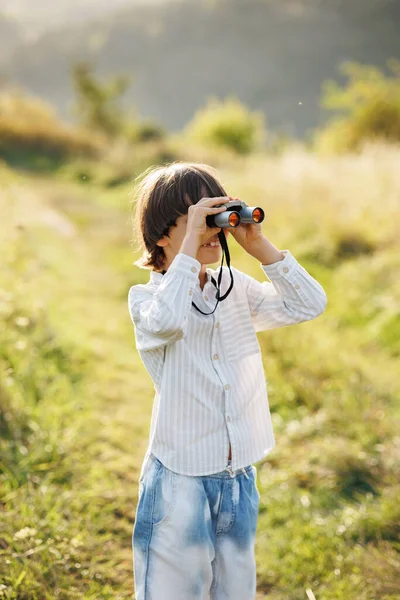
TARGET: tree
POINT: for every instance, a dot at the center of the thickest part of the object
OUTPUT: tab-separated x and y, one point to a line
368	107
97	105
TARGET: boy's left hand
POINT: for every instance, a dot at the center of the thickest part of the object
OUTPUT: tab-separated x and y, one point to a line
247	234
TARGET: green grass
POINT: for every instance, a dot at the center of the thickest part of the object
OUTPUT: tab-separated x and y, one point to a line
75	399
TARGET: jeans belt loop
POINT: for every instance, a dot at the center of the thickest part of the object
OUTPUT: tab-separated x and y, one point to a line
229	468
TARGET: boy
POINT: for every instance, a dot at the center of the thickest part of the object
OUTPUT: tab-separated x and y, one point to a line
196	518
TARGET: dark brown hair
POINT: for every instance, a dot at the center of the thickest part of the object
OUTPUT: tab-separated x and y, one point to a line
163	194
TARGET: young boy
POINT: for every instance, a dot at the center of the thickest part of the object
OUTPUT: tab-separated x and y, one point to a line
196	518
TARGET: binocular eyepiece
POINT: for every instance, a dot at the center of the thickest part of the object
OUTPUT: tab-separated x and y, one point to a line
236	212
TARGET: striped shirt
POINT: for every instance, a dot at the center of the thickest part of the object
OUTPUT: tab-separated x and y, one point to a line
207	370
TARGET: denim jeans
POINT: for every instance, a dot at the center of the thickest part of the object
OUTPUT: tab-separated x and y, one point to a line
194	535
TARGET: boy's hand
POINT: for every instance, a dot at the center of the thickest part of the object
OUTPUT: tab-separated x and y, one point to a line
197	213
248	235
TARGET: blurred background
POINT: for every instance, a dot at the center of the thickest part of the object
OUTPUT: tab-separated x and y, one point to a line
296	103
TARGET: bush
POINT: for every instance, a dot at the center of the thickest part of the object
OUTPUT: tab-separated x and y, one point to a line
369	107
32	136
147	131
228	124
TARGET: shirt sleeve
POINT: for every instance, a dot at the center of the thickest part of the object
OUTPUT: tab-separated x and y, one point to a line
160	317
292	296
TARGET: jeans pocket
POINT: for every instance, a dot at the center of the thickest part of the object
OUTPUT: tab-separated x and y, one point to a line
142	475
164	495
255	481
141	487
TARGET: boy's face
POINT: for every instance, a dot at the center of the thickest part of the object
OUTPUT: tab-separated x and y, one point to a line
206	254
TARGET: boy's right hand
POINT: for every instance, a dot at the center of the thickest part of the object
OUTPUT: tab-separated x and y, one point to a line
197	213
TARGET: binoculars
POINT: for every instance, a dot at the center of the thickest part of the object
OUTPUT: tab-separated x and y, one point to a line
236	212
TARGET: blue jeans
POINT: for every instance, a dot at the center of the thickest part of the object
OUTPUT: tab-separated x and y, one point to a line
194	535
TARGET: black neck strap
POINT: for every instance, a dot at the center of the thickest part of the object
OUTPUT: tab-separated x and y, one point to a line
225	252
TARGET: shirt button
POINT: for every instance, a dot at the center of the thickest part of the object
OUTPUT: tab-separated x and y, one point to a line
194	269
228	418
205	297
190	292
216	324
215	356
297	286
227	386
285	269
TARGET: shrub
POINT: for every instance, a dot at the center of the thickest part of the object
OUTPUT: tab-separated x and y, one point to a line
32	136
229	124
147	131
368	106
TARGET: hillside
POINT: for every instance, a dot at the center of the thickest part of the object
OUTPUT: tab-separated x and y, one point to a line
10	36
272	55
48	14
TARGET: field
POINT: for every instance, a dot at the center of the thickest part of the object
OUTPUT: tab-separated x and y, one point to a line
75	399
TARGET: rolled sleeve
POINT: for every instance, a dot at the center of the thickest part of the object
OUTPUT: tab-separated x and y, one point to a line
292	296
282	268
186	265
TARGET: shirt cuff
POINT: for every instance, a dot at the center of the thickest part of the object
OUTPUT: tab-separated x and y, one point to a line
185	264
282	268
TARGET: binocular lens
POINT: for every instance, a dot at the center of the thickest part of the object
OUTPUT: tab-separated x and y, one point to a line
258	215
234	219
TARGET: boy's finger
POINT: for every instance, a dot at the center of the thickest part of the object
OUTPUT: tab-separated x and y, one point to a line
214	209
216	200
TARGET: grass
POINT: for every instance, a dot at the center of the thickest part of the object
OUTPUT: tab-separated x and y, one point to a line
75	399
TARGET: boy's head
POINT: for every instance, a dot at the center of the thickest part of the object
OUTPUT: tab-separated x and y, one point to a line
162	200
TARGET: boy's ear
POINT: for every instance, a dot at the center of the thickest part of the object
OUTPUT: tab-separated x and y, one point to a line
162	242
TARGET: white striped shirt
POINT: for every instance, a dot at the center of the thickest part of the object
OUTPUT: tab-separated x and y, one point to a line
207	370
